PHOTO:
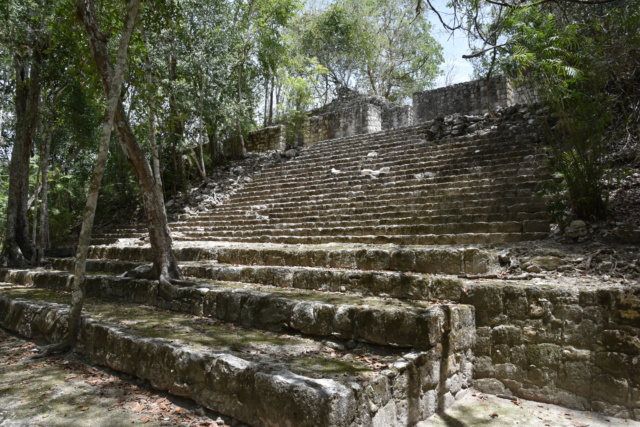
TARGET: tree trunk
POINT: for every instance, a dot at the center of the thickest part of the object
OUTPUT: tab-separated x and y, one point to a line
18	247
155	155
44	241
176	125
115	79
164	266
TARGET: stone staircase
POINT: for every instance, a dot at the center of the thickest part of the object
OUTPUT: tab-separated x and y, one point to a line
323	294
399	187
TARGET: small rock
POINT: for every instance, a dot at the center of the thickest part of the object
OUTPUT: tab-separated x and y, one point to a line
534	269
576	229
548	263
504	257
289	154
219	421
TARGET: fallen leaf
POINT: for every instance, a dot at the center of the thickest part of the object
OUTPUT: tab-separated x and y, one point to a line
84	408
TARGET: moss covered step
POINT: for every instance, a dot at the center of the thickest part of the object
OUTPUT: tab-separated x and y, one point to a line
399	169
431	259
425	154
365	230
383	321
411	207
260	378
412	239
406	158
389	185
363	282
415	179
336	221
445	147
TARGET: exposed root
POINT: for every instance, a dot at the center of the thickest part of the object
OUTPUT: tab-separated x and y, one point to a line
50	350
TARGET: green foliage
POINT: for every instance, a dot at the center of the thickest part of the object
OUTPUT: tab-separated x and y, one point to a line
377	46
574	57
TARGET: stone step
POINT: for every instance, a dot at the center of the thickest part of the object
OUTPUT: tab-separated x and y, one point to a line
380	186
382	321
401	165
486	195
383	145
414	178
363	282
260	378
420	229
337	221
430	259
429	239
402	215
490	195
443	207
378	142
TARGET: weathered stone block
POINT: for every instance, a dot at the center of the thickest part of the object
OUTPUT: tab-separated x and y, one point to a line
487	300
576	376
625	341
542	355
491	386
515	302
446	288
613	363
611	389
507	334
403	260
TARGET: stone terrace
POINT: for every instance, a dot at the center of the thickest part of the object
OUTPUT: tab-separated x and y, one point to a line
356	285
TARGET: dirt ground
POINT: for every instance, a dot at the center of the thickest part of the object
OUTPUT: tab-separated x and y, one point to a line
478	409
63	391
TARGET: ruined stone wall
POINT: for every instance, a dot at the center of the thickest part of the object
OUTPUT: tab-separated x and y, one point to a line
470	98
352	114
578	348
357	117
397	117
266	139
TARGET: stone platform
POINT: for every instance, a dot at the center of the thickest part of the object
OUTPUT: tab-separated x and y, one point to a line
362	283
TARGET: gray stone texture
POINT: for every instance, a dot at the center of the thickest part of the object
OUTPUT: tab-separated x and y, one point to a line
263	393
471	98
574	347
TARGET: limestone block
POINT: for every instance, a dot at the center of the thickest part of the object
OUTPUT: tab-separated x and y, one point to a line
613	363
610	389
507	334
515	302
491	386
542	355
446	288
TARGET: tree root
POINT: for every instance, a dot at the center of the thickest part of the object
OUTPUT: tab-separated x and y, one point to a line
49	350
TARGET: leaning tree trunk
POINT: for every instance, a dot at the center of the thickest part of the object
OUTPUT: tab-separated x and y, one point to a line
116	78
164	265
18	247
